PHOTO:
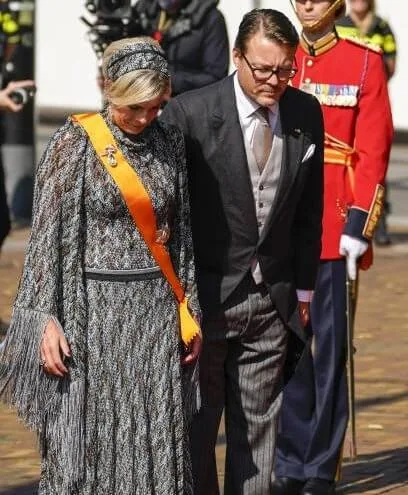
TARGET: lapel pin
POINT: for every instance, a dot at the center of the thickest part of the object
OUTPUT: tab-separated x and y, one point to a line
297	132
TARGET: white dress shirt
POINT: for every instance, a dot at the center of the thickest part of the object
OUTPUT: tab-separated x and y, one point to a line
247	112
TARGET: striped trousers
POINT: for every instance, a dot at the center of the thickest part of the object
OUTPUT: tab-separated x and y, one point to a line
241	370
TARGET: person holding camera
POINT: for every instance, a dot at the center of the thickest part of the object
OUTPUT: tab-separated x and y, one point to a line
194	37
10	101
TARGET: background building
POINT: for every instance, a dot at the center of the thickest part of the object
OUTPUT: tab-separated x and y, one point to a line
66	64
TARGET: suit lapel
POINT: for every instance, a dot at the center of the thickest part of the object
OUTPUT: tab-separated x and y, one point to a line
230	140
293	139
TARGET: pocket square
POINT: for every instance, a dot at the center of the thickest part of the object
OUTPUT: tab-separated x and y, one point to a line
309	153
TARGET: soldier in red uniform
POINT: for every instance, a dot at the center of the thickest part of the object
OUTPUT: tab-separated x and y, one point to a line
349	80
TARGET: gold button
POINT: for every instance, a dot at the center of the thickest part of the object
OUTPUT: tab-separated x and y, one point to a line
309	63
308	80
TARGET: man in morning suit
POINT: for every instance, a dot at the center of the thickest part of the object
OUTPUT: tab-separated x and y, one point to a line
348	78
255	153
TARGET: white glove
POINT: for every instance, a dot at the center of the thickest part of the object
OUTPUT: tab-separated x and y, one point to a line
352	248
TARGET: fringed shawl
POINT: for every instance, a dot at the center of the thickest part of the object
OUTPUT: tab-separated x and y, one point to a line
52	287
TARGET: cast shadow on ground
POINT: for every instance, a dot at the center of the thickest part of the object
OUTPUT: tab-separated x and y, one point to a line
379	400
398	237
31	489
400	184
380	471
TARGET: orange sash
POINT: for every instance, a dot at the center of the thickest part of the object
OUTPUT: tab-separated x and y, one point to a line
140	208
337	152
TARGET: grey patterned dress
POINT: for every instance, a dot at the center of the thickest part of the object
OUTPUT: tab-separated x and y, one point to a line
126	352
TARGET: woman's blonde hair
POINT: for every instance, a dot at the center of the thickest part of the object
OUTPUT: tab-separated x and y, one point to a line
136	86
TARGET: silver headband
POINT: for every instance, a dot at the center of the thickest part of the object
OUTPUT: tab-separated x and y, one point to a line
137	56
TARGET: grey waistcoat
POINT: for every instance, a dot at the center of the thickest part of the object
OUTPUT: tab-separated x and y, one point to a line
265	185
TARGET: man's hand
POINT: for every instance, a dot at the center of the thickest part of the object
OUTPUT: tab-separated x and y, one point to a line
304	312
352	248
6	103
193	351
53	346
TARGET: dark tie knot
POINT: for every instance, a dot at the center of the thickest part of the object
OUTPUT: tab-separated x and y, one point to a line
263	114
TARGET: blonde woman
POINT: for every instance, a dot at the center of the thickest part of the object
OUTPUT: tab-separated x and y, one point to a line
93	359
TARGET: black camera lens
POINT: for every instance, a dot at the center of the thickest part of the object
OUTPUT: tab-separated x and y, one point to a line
91	6
109	6
22	95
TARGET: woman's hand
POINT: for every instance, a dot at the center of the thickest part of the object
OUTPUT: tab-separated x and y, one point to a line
54	345
193	351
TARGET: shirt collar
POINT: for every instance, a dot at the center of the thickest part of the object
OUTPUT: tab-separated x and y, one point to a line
247	107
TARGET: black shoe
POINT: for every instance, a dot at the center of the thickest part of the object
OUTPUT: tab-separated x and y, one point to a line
318	486
286	486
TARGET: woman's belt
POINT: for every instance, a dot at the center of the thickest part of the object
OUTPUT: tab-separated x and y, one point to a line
123	275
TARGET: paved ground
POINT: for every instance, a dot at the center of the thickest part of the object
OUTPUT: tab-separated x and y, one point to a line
382	382
382	377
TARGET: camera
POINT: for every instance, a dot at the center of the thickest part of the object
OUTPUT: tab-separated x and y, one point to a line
21	96
113	20
109	8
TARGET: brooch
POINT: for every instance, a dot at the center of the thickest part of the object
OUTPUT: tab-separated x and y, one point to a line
162	235
110	151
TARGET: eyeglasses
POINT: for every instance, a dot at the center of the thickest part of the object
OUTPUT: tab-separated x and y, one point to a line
264	74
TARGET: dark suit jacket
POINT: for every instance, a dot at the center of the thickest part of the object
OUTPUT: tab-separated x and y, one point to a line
224	221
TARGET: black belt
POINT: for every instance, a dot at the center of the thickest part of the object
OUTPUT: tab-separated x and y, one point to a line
123	275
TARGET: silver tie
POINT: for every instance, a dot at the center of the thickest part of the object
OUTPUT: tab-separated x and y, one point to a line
262	138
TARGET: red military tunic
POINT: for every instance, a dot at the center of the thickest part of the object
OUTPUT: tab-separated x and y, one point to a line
349	81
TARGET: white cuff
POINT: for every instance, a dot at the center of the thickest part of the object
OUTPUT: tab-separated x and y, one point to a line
304	295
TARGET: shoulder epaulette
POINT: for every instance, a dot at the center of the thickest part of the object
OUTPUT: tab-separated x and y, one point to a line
364	44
